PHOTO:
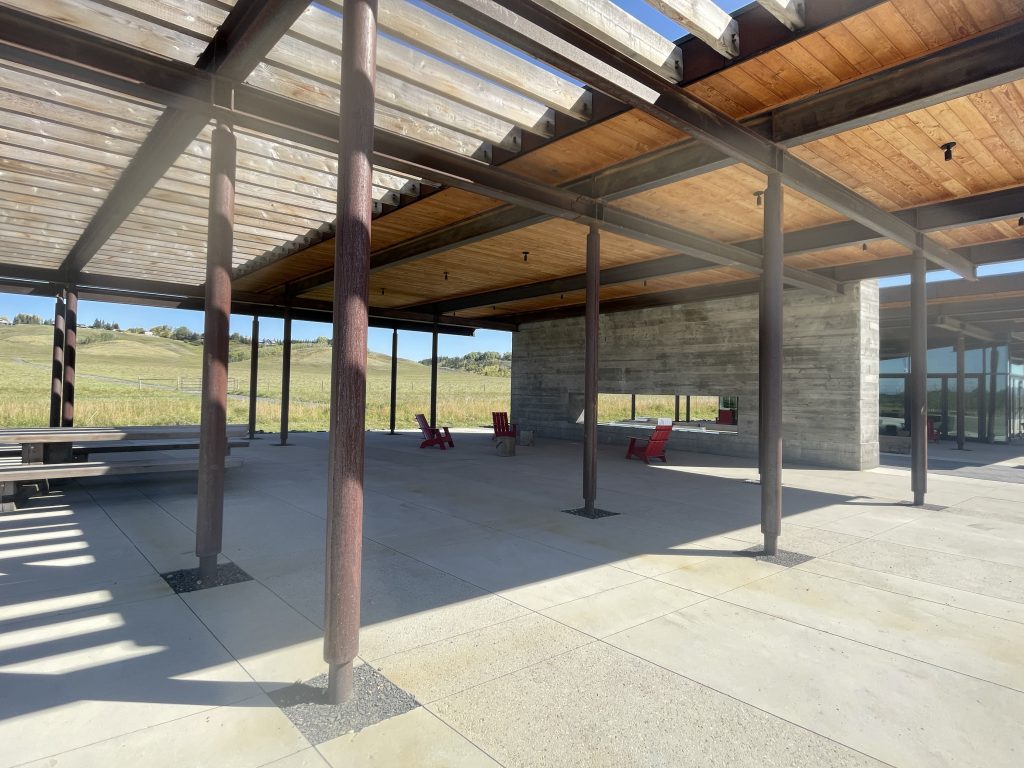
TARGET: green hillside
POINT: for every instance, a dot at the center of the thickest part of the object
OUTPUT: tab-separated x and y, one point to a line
126	378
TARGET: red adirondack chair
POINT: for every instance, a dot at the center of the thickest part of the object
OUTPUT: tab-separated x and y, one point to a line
439	436
501	426
650	449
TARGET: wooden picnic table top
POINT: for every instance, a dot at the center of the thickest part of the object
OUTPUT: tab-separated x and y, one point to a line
36	435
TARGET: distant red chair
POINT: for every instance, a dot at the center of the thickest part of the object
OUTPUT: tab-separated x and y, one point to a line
439	436
501	426
933	433
654	448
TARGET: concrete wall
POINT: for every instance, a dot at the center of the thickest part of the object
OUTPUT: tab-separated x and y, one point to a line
830	403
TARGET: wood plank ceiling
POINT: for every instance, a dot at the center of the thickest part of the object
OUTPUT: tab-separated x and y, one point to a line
64	144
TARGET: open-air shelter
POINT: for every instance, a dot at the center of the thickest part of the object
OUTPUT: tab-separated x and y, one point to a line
706	214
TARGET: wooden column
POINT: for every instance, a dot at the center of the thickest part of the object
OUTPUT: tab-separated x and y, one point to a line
770	351
394	377
918	379
677	408
67	417
591	351
286	378
687	408
254	371
433	379
348	371
632	407
217	316
961	396
57	378
993	400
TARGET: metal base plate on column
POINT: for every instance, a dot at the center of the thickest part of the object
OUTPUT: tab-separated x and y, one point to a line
189	580
582	512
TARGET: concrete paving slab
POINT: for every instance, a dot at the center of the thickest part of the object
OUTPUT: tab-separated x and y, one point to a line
622	607
959	534
417	738
981	646
898	710
95	674
307	758
440	669
923	590
598	707
243	735
275	644
720	573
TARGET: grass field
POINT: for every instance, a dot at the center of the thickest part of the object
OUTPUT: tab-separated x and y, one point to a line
111	364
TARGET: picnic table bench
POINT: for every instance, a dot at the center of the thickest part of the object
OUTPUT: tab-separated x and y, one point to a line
47	454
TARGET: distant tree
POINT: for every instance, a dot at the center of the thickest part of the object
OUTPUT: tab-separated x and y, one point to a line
323	340
135	330
22	319
181	333
161	330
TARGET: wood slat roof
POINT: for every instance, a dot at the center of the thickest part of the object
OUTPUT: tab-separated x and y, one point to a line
67	137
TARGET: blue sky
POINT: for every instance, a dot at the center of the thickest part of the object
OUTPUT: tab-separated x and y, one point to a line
414	346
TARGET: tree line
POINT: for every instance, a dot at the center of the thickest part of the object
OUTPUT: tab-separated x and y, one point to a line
481	363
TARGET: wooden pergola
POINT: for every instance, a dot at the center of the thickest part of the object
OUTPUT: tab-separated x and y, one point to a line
496	164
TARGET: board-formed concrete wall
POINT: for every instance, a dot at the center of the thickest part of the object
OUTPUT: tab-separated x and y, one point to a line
830	385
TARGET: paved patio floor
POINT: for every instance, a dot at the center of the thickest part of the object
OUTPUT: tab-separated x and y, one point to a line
528	637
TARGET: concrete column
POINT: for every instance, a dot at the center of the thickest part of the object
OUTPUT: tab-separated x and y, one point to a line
57	379
67	418
918	379
213	423
254	370
394	377
433	379
961	396
348	370
591	351
770	351
286	378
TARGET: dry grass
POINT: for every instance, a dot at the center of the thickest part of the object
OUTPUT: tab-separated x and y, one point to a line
617	407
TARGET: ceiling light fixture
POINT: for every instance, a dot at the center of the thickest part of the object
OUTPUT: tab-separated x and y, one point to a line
526	255
758	195
445	275
947	149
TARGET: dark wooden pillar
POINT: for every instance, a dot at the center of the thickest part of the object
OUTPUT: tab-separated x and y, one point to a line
687	407
214	412
67	418
993	400
394	377
677	408
918	379
961	395
286	378
57	378
254	374
591	351
770	351
433	379
632	407
348	372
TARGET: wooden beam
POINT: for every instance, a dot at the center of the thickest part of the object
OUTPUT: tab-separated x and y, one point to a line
530	27
967	329
789	12
705	21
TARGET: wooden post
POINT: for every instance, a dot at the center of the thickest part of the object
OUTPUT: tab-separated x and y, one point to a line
961	396
57	378
993	400
591	351
254	370
632	407
918	379
394	377
286	377
770	343
677	408
433	379
348	371
67	418
213	423
687	407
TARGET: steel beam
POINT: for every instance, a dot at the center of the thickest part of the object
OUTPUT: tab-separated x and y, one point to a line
57	377
67	418
536	30
961	396
590	363
217	318
286	377
919	382
394	378
433	379
770	356
348	378
254	369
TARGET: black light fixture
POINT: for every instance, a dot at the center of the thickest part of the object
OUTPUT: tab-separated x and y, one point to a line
758	195
381	291
947	149
445	275
526	255
1020	221
864	246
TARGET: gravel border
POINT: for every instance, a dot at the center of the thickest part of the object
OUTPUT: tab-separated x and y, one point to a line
782	557
582	512
374	699
188	580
